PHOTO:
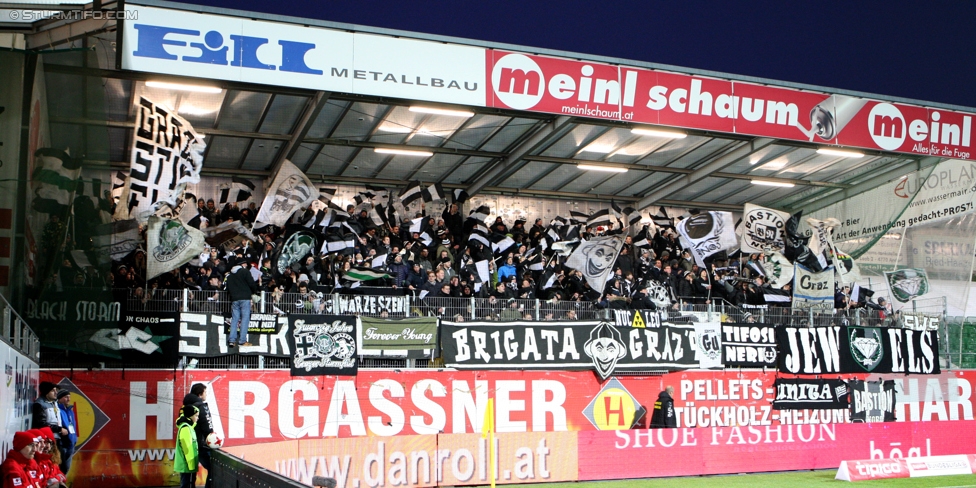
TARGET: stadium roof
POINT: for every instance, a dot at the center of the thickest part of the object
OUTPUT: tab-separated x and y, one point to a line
350	138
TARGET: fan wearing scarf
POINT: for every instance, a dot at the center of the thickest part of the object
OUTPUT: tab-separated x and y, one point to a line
186	446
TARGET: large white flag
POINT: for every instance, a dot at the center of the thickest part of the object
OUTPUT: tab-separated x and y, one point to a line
290	191
167	154
812	289
595	258
761	229
821	241
170	245
707	233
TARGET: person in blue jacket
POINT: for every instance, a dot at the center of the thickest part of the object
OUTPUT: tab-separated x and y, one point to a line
66	445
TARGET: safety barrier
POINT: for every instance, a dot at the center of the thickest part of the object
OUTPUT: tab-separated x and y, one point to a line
230	471
17	333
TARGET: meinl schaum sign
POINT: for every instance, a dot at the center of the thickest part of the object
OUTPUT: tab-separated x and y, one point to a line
814	394
836	349
600	346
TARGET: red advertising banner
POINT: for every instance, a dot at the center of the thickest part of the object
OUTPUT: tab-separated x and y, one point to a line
720	450
127	418
587	89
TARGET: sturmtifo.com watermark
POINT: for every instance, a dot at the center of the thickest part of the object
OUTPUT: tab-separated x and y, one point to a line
22	15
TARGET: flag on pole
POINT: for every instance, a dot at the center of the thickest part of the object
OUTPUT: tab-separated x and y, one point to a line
290	191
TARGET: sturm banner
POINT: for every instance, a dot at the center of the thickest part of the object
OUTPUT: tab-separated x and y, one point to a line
323	345
836	349
206	335
799	393
872	401
599	346
748	346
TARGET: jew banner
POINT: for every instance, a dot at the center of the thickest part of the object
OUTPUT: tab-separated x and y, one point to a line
809	350
290	191
748	346
707	233
890	350
762	229
167	154
599	346
812	289
171	245
872	401
595	257
398	337
814	394
206	335
323	345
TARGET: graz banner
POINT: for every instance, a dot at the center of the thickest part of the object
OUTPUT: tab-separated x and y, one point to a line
323	345
398	337
206	335
600	346
802	393
748	346
368	304
872	401
836	349
812	289
889	350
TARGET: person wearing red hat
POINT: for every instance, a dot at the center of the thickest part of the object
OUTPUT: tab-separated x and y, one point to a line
14	467
33	468
48	458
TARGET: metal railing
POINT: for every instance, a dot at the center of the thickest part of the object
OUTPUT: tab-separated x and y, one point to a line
17	333
228	471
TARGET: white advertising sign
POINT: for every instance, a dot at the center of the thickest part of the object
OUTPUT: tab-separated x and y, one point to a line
274	53
16	393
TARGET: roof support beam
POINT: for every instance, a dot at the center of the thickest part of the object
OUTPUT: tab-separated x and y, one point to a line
313	106
555	129
705	171
867	185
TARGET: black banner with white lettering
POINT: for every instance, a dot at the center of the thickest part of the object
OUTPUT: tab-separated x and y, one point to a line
395	306
748	346
323	345
69	320
138	339
814	394
872	401
827	350
890	350
637	318
205	335
263	323
600	346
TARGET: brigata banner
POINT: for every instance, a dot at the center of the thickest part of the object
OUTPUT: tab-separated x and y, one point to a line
398	337
748	345
130	437
836	349
599	346
206	335
872	401
800	393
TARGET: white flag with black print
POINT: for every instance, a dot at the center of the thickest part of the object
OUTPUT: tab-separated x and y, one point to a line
595	258
290	191
821	242
707	233
761	229
170	244
167	155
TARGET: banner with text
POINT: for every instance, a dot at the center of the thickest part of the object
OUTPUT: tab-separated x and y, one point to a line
800	393
323	345
398	337
748	346
836	349
206	335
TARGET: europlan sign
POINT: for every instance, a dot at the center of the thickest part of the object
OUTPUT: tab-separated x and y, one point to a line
274	53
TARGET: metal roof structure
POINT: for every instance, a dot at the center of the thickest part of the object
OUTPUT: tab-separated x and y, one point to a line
334	137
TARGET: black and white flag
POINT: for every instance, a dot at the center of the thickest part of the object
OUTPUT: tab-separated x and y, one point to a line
599	218
170	244
433	193
595	258
762	229
872	401
413	193
238	190
290	191
167	155
707	233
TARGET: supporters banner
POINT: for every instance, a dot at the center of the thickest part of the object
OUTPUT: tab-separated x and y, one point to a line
872	401
807	350
129	427
748	346
799	393
812	289
167	155
599	346
398	337
638	318
707	233
368	304
171	245
290	191
889	350
323	345
709	343
206	335
595	258
762	229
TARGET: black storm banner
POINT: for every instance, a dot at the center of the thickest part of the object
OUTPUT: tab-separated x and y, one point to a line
872	401
798	394
836	349
601	346
205	335
323	345
748	346
890	350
